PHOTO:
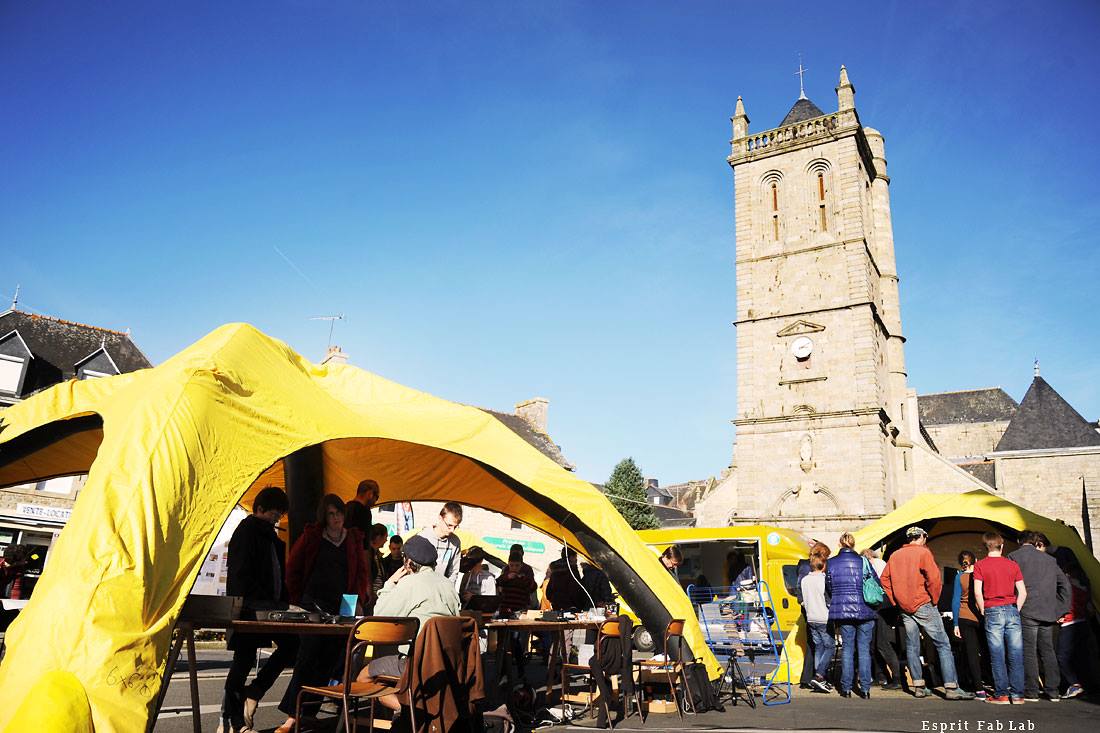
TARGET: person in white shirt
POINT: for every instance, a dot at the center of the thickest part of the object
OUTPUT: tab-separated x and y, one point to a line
442	536
817	616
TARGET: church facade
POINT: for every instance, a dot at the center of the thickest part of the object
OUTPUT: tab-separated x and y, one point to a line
829	434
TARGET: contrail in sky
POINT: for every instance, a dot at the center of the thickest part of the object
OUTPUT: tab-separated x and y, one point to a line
296	268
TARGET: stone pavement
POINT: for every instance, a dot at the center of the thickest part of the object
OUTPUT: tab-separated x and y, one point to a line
885	711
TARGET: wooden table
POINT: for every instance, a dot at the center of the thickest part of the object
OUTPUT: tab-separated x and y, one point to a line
185	632
559	652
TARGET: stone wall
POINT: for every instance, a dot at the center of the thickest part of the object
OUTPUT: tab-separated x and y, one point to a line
1061	484
967	440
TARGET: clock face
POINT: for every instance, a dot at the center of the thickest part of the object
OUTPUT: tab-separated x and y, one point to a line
802	347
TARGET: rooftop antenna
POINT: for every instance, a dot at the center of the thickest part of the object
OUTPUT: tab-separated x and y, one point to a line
15	299
331	324
799	73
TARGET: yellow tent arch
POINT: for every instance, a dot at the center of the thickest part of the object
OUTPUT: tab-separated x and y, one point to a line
974	512
170	451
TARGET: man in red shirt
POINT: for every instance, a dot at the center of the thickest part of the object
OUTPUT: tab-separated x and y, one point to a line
999	592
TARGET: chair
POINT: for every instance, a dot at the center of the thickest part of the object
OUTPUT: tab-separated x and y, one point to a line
371	631
608	630
673	666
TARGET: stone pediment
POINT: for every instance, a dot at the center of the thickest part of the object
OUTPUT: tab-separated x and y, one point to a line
800	327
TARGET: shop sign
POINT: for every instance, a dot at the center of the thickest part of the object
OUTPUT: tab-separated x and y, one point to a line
49	513
505	544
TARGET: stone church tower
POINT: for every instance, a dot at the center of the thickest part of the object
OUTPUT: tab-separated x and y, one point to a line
824	414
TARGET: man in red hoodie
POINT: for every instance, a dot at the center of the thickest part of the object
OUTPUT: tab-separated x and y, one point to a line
913	583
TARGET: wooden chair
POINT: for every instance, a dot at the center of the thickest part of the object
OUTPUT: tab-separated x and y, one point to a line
673	667
371	631
608	630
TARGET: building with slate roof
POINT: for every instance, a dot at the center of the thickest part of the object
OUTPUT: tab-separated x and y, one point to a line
967	424
37	352
1040	453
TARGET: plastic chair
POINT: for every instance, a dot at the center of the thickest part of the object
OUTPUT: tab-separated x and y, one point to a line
371	631
673	667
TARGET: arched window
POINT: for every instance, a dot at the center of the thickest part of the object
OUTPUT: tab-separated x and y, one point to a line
775	211
821	200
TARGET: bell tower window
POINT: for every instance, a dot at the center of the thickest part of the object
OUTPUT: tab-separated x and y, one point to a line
775	212
821	201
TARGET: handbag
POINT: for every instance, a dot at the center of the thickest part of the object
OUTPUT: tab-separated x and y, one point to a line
872	589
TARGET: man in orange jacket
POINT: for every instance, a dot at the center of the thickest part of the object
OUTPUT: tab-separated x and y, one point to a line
913	583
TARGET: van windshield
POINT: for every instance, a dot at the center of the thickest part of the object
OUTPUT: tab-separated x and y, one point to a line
719	563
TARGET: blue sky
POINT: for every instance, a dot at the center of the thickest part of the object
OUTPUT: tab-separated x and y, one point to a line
516	199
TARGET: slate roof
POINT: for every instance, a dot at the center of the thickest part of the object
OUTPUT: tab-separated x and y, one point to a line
1045	420
541	441
802	110
59	345
981	470
671	517
973	405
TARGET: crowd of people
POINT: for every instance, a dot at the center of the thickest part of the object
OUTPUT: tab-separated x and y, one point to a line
1022	622
336	568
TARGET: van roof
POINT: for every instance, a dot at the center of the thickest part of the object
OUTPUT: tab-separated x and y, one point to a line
780	541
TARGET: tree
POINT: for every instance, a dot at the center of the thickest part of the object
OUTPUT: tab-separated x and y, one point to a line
626	490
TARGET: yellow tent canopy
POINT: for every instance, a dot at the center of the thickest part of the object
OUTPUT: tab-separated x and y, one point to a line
956	521
170	451
953	522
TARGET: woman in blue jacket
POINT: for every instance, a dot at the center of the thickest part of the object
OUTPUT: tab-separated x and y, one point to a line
851	615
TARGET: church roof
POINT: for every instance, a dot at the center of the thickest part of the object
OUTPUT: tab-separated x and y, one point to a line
802	110
972	405
1045	420
981	470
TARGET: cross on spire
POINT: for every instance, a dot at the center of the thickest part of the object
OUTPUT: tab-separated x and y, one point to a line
801	71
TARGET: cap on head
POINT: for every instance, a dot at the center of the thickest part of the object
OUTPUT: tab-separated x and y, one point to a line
914	532
420	551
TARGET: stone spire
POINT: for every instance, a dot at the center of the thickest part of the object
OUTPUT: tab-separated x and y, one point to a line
740	121
845	92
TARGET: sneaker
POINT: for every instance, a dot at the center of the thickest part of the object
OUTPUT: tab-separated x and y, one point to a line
998	700
828	687
891	685
1020	700
981	695
1051	698
1031	698
920	691
1072	692
954	693
819	685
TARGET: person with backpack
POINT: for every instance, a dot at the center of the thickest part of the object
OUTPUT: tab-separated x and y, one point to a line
851	613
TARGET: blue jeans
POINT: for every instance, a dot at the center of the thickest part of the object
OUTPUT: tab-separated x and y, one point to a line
928	619
855	637
1005	636
823	648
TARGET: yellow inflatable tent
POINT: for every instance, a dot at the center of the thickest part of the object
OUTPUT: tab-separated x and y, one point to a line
170	451
954	522
957	521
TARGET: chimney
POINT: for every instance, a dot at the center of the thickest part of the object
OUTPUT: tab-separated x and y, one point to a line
534	412
334	355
